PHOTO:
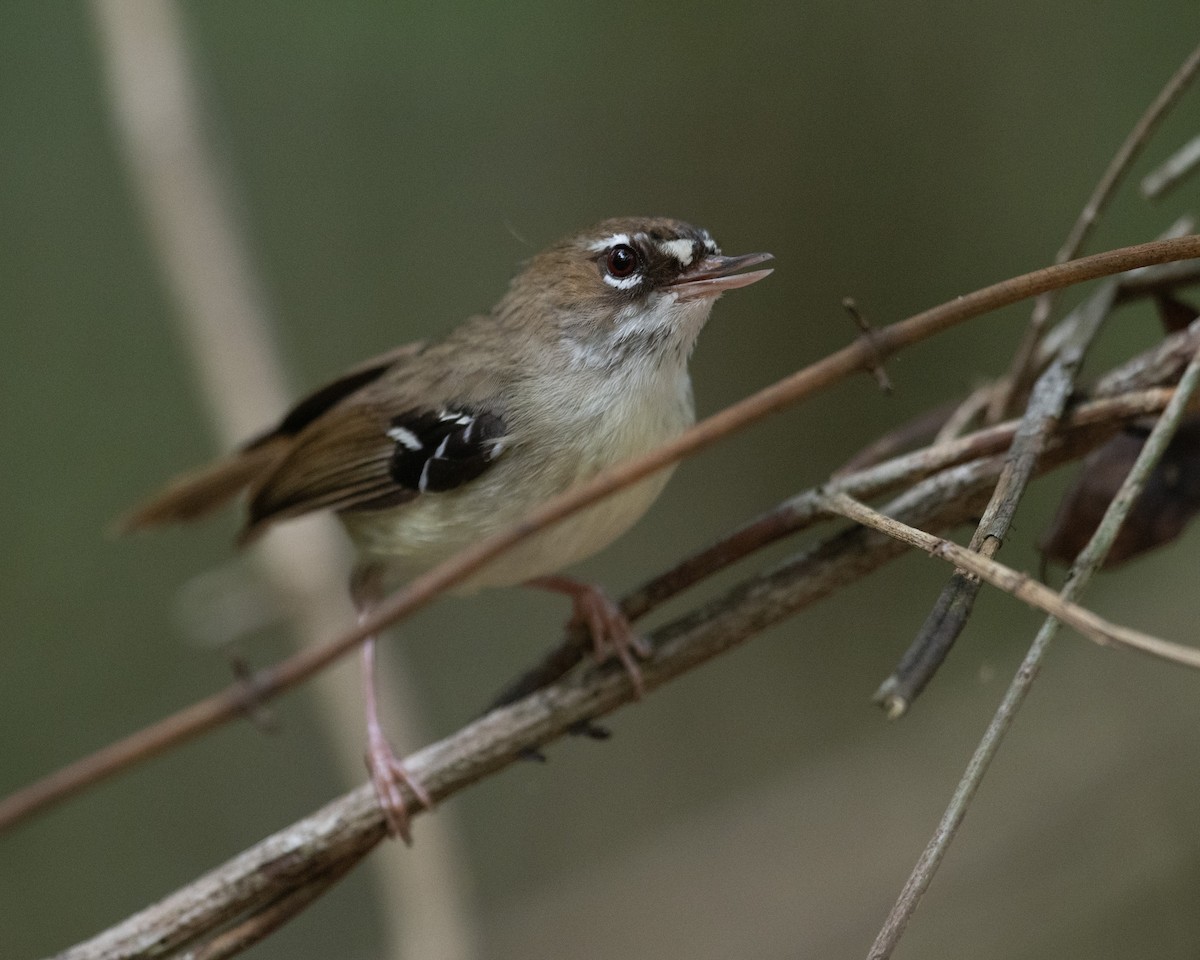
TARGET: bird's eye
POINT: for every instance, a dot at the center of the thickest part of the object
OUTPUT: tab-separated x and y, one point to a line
622	261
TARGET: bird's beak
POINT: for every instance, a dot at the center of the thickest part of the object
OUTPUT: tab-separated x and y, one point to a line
712	276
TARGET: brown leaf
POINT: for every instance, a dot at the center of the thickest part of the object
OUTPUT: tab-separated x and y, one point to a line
1175	314
1170	499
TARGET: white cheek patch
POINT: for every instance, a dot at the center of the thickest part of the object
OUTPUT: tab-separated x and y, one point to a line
681	250
623	283
615	240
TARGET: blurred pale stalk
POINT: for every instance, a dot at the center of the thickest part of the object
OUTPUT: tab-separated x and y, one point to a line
424	908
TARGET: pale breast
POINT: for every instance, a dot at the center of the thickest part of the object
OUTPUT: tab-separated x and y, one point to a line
582	441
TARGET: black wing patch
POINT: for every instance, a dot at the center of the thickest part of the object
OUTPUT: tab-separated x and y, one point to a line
328	396
443	449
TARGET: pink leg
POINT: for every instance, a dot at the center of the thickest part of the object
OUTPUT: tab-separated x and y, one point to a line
612	635
388	775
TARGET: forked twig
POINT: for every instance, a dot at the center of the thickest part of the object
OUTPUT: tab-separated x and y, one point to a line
1019	585
1085	565
300	854
957	598
1020	374
280	866
225	705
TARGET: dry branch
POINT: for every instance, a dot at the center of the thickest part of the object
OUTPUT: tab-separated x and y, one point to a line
1021	370
230	703
1019	585
946	485
1077	579
957	599
241	901
347	827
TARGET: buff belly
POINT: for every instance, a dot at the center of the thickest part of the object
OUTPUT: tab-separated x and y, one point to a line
412	538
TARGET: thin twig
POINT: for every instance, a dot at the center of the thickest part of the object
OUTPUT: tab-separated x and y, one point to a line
804	509
1019	585
225	705
1177	168
953	607
966	413
956	600
282	863
353	823
878	370
1020	372
1078	577
949	420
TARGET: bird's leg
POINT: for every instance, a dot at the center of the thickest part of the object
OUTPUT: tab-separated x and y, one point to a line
388	775
612	635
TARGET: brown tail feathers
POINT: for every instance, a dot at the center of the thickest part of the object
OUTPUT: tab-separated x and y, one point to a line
200	492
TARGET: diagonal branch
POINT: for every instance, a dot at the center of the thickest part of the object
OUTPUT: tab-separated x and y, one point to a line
1019	585
230	703
346	828
1020	373
1078	577
1177	168
276	871
954	604
1095	419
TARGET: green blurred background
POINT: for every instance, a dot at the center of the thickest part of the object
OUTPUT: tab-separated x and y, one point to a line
391	165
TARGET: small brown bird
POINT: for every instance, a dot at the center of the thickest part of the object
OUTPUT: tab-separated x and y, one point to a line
432	447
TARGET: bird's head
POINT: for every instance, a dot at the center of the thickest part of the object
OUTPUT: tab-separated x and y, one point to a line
629	287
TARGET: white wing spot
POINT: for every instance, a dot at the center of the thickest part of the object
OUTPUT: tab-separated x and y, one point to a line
441	450
406	438
423	482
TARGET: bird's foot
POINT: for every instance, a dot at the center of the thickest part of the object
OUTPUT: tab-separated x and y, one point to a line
389	778
610	630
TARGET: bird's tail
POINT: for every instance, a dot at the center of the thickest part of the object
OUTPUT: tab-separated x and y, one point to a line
200	492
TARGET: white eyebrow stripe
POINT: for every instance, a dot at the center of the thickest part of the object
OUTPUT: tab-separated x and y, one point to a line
615	240
625	283
681	250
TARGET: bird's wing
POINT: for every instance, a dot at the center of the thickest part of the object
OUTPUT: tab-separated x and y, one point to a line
329	395
202	491
374	455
